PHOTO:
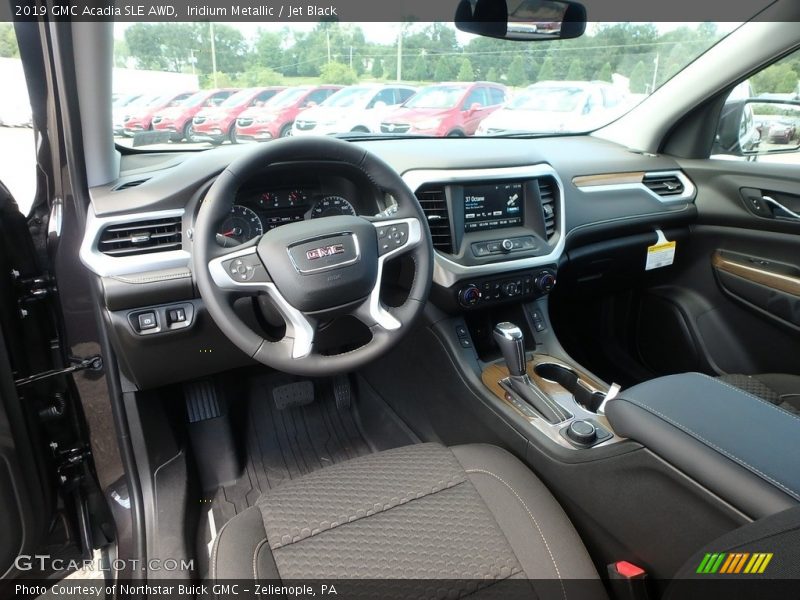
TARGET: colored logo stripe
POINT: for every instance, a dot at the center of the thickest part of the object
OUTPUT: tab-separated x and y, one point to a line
735	562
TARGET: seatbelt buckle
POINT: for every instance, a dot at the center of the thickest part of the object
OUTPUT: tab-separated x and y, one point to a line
627	581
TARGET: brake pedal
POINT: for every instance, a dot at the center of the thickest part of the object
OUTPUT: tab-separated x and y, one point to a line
299	393
342	391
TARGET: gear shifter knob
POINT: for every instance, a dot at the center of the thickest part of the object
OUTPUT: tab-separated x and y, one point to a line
512	344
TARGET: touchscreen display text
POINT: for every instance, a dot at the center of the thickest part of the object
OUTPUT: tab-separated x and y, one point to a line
492	206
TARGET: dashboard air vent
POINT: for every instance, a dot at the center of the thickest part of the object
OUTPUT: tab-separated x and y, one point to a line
664	185
141	237
548	189
129	184
434	204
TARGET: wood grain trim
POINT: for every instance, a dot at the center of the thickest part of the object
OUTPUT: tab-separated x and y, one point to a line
771	279
492	375
608	179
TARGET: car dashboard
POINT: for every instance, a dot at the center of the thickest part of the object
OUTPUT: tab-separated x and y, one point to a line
504	216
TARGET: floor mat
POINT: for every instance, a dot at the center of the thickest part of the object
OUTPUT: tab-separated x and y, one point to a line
288	443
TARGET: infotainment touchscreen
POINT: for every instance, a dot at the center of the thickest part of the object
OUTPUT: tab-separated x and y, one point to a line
493	206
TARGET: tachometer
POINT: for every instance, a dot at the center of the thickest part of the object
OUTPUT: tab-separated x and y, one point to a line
241	224
332	206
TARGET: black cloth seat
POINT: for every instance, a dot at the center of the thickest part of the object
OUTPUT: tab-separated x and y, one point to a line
472	516
779	389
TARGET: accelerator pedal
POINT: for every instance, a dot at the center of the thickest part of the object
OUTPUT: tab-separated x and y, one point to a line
342	392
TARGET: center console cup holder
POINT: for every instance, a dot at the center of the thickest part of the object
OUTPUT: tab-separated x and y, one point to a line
584	394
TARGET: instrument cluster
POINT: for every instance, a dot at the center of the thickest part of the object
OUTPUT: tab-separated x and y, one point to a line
259	209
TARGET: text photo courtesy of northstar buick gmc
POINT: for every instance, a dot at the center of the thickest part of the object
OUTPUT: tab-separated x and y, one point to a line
500	300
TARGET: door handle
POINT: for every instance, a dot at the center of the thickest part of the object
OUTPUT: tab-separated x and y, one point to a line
770	200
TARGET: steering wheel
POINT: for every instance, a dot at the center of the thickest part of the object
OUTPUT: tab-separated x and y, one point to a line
314	270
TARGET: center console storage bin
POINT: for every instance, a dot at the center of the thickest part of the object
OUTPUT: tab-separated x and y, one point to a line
738	446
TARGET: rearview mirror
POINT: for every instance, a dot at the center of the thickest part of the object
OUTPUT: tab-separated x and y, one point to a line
758	126
522	20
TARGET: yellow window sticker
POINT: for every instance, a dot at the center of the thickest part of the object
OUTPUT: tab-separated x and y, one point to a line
660	254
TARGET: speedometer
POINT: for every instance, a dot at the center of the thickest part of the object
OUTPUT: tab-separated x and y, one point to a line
241	224
332	206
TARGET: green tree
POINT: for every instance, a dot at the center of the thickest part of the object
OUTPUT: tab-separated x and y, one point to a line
446	69
775	79
8	41
516	72
377	67
335	72
604	74
258	76
420	70
492	75
575	72
547	72
465	72
268	49
638	82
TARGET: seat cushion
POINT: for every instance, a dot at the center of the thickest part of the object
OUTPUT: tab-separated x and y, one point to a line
780	389
472	515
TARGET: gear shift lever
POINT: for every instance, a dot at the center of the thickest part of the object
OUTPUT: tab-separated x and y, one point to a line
511	341
512	344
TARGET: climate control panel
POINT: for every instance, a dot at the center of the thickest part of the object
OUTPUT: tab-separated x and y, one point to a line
491	290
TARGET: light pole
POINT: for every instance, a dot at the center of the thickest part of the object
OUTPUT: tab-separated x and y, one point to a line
213	53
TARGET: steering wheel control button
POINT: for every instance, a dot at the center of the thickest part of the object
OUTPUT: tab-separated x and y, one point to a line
246	269
391	237
147	321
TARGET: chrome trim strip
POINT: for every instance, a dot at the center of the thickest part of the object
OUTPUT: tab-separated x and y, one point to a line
300	329
687	195
447	272
106	266
372	309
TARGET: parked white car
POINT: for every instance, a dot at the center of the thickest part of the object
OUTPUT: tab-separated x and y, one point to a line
557	107
358	108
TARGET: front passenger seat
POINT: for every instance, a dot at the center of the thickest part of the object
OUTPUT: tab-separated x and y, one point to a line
472	517
779	389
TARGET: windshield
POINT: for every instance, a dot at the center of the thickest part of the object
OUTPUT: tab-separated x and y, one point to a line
385	70
237	99
286	98
349	97
438	96
554	99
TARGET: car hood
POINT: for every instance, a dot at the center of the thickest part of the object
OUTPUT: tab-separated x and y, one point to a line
534	121
412	115
325	113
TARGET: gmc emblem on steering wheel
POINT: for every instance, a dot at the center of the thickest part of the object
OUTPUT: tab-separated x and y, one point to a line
325	251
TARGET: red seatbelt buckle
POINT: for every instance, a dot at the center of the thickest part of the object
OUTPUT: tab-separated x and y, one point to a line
627	581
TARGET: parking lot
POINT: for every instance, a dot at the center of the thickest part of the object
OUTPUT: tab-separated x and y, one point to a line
17	169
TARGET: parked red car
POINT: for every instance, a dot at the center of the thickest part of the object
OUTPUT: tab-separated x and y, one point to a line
275	118
446	109
219	123
140	117
178	119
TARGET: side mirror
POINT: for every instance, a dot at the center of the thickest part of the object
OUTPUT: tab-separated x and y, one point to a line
757	126
524	20
474	107
380	104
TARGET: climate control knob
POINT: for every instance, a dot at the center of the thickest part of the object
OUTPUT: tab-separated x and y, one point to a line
545	282
469	295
